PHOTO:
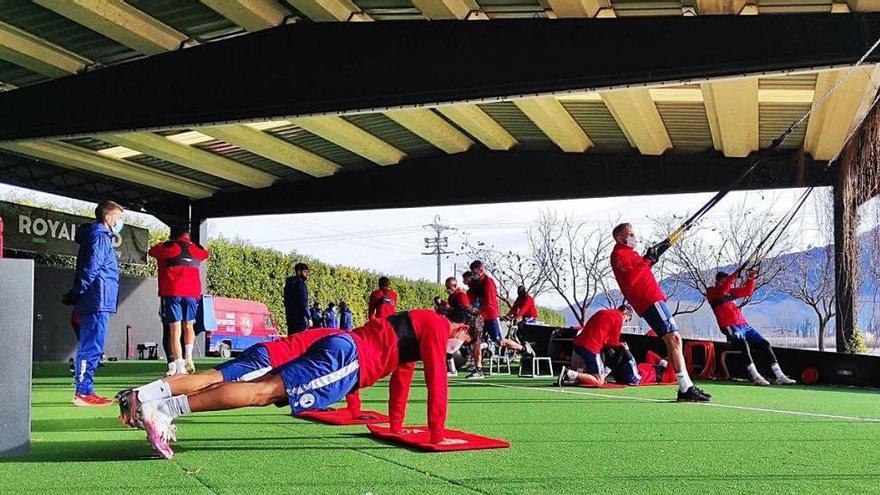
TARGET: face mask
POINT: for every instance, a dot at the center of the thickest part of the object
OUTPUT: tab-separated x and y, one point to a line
117	227
631	241
453	345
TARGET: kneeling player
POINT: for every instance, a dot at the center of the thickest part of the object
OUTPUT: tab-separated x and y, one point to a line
329	369
601	333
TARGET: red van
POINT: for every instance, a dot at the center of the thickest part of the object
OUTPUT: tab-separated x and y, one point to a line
240	324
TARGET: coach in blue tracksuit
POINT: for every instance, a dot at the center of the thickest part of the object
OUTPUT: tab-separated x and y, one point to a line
95	292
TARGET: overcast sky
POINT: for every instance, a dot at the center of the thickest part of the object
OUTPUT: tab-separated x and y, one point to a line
391	241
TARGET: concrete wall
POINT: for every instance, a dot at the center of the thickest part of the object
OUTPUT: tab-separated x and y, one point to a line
16	307
54	339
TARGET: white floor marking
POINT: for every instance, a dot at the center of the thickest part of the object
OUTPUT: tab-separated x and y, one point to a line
706	404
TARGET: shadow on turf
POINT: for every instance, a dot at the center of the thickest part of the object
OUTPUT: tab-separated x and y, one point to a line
86	451
76	424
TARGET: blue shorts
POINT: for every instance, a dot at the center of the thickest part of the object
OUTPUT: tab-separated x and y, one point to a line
249	365
592	363
745	332
627	372
493	329
326	373
175	309
660	319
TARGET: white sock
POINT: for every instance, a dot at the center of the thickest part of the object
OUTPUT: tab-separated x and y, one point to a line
155	390
777	370
450	365
753	371
663	363
188	348
684	381
175	406
571	375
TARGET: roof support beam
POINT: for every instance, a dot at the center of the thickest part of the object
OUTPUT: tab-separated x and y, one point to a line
37	55
709	7
120	22
623	54
252	15
432	128
446	9
578	8
480	125
830	124
637	115
555	121
732	110
864	5
191	157
74	157
330	10
562	176
352	138
271	147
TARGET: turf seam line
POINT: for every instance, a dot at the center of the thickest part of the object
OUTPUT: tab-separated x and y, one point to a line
194	476
705	404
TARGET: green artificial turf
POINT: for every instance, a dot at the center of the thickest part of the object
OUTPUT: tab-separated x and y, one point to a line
576	441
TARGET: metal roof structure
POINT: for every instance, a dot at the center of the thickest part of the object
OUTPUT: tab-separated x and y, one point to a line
262	106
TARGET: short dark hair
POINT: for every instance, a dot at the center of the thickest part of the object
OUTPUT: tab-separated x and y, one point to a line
620	228
450	279
476	265
466	275
521	288
179	230
720	275
300	267
331	305
105	207
625	307
384	282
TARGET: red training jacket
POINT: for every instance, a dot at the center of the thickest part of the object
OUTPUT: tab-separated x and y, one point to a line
523	307
601	331
382	303
722	298
485	290
635	279
378	357
458	299
179	273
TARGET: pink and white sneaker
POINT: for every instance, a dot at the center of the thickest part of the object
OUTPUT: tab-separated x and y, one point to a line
160	431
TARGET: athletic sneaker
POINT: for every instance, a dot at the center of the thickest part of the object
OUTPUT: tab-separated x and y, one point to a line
172	369
181	367
562	379
129	408
693	394
760	381
784	380
160	431
190	367
90	400
476	375
703	392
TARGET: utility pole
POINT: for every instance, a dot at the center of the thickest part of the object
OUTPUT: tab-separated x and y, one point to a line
437	245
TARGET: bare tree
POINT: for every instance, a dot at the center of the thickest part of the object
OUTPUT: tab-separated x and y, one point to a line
811	281
509	268
574	258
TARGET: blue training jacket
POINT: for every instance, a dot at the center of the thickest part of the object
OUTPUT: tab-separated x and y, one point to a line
345	320
296	302
96	280
330	319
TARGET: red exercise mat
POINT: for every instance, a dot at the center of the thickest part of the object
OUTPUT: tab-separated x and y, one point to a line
342	417
418	437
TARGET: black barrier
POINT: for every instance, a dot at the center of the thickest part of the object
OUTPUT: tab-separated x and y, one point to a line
834	368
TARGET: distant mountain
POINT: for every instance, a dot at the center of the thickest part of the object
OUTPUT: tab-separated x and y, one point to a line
778	313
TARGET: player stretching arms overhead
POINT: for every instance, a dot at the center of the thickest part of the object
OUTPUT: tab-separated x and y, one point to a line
329	369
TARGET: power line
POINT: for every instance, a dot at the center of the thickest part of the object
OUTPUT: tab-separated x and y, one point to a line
437	244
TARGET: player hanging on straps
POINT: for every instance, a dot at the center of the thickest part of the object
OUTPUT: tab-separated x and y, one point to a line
329	369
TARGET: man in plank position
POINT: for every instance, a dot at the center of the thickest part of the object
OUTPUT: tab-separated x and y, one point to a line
740	334
331	368
638	285
601	335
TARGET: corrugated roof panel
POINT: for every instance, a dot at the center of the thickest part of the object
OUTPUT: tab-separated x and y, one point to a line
513	9
394	134
793	6
297	135
190	17
157	163
89	143
19	76
799	81
63	32
245	157
390	10
518	125
687	125
595	119
774	119
625	8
